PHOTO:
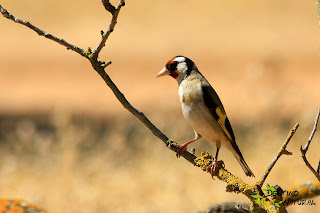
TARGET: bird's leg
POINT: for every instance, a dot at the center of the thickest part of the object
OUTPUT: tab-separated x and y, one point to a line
212	167
184	146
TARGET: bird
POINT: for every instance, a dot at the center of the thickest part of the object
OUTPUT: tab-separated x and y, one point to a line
202	108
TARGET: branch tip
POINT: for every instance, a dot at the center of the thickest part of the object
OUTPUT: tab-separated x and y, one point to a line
193	151
108	6
115	12
105	64
285	152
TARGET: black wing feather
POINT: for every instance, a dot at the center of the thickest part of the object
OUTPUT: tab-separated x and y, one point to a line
212	101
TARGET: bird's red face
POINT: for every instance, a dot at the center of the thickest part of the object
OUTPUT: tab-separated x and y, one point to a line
170	69
178	68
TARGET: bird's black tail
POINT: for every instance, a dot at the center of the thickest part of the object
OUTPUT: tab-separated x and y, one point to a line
244	166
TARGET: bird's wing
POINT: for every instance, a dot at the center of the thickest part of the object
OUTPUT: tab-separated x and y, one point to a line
213	103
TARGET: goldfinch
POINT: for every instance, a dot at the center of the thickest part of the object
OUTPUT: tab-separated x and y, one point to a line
203	109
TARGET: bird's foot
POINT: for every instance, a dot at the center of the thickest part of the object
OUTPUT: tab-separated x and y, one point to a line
213	166
181	148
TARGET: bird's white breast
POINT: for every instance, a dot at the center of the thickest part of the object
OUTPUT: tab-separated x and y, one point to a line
196	112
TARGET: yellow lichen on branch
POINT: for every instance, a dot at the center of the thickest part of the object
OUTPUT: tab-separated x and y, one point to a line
301	192
18	206
234	184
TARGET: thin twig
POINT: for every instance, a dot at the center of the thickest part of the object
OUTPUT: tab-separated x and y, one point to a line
108	6
306	147
40	32
105	64
281	152
107	33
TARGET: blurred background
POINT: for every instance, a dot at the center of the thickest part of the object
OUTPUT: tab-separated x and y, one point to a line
66	144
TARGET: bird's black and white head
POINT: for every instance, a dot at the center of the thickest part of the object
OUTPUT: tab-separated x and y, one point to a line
178	67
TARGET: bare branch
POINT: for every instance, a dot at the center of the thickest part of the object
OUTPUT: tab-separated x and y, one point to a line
306	147
316	173
40	32
113	23
281	152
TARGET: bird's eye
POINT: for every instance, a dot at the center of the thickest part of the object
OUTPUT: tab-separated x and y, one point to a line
172	66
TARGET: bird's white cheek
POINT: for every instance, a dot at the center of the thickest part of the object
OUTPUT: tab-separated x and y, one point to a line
182	67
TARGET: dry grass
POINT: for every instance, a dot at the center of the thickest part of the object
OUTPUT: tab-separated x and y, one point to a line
67	144
84	164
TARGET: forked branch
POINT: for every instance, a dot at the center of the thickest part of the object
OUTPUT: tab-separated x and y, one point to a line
306	147
115	12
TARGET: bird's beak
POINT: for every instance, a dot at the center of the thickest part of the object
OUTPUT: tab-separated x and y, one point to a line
163	72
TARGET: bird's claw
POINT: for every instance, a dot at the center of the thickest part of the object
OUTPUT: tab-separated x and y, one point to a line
171	144
181	148
213	166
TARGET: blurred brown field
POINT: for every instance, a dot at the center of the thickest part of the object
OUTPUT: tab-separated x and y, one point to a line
67	144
